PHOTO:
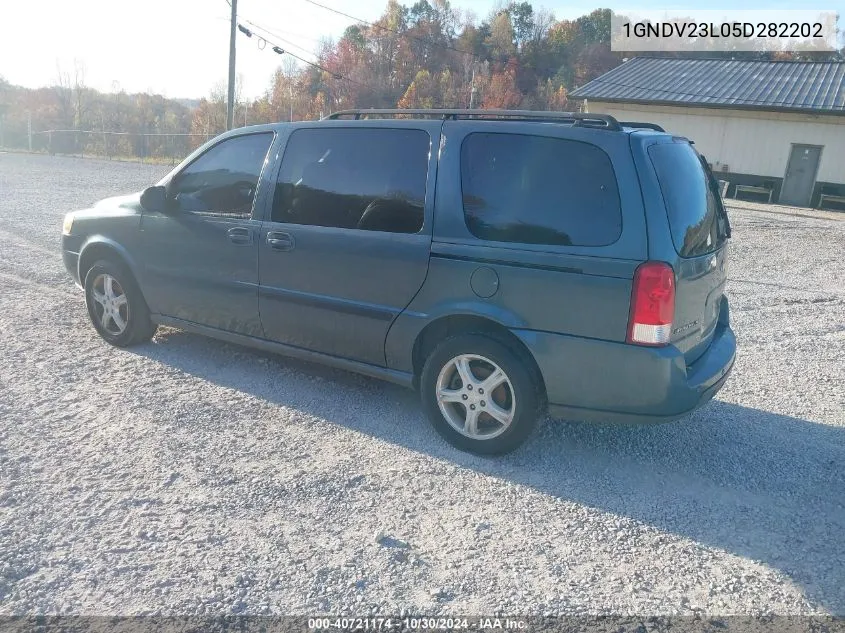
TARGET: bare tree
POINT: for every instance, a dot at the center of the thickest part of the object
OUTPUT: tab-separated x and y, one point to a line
64	96
81	99
73	95
543	21
290	71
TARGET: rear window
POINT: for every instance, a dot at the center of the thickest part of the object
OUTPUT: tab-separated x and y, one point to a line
539	190
694	210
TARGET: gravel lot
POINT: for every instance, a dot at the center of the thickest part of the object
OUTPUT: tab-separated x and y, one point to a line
190	476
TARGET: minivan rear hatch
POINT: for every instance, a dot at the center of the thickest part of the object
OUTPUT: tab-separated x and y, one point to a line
700	230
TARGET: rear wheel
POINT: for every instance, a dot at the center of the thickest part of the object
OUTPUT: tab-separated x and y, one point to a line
479	394
115	305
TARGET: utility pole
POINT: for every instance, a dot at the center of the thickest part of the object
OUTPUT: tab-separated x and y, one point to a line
29	128
230	104
472	89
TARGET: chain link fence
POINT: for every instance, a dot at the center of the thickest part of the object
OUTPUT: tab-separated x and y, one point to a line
159	147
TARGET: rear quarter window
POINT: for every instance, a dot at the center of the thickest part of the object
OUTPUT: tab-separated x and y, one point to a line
539	190
691	204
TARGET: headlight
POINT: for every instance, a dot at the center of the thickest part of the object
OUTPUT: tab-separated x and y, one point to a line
67	226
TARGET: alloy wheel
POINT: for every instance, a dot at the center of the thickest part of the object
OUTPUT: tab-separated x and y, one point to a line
110	304
475	396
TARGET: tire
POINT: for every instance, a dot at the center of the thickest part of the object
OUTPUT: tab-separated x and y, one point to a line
123	299
501	424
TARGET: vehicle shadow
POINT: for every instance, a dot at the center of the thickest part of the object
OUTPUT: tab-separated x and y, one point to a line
761	485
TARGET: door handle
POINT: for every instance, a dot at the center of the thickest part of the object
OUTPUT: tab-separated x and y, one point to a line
280	241
240	235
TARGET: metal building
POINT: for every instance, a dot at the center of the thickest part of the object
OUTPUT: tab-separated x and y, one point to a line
772	130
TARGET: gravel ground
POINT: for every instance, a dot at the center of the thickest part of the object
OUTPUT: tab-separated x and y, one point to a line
190	476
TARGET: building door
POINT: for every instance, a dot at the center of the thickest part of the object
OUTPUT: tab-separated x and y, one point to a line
800	175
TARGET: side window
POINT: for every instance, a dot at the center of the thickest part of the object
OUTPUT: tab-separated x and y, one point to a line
223	181
539	190
354	178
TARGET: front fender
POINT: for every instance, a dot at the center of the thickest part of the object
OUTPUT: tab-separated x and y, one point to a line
97	246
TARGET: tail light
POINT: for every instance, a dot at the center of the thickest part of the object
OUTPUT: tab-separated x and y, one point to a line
652	304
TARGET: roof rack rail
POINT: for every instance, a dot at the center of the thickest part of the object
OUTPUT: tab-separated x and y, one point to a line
581	119
638	124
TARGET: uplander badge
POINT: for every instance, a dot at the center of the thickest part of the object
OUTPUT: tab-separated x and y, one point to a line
685	327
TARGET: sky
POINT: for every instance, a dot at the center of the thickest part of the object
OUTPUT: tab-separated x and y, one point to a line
180	48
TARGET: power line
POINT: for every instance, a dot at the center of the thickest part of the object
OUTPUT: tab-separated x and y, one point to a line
280	51
541	70
278	37
276	31
399	33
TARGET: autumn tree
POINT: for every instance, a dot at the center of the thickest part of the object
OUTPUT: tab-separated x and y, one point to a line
502	93
423	54
424	92
500	42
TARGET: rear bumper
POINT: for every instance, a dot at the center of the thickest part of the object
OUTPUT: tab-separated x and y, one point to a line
615	382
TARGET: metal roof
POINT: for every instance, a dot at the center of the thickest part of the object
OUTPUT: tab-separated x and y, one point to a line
812	87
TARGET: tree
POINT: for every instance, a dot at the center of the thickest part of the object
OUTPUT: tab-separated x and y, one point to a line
595	27
500	42
285	93
426	54
522	19
422	93
594	60
552	96
502	91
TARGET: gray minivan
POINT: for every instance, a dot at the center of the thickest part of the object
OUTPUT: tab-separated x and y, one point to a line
504	263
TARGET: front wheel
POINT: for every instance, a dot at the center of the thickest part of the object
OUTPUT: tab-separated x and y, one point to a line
115	304
480	395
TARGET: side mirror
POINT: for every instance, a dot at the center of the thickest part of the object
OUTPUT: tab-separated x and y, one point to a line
154	199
